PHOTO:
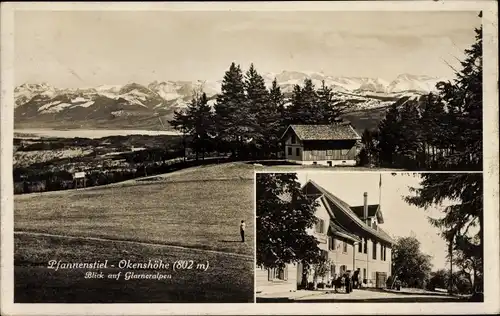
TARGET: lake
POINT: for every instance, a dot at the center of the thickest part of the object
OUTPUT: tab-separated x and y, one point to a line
87	133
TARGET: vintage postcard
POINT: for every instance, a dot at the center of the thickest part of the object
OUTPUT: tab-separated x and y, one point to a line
210	158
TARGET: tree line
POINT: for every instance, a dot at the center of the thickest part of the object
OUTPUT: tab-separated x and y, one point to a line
440	131
248	119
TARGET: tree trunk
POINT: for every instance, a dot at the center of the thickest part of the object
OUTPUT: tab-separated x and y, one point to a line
450	282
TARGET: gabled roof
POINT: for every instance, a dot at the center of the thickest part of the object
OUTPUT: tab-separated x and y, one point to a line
373	210
346	209
336	229
341	131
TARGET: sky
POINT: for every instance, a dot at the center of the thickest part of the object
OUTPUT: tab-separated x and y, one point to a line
88	48
400	218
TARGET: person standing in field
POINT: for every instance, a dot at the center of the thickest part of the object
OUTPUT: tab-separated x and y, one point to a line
242	230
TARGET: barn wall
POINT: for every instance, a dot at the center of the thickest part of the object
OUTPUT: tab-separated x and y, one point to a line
293	146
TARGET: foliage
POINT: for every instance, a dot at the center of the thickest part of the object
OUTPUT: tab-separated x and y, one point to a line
409	264
284	213
464	194
437	131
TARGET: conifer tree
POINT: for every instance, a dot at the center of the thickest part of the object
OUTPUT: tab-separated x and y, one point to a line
409	136
276	119
465	191
464	102
181	123
200	113
196	122
389	134
230	110
258	114
329	110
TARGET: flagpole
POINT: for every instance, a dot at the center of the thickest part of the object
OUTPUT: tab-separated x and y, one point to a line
380	193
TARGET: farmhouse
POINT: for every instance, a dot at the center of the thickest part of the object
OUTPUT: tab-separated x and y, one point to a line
350	238
327	145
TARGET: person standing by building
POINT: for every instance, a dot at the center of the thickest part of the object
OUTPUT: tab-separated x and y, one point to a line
242	230
348	282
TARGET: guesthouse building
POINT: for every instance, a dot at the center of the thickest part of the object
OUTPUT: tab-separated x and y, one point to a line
350	239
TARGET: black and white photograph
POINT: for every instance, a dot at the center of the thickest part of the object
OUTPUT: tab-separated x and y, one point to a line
210	157
367	237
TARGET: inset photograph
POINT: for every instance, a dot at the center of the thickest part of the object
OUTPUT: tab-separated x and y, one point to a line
369	237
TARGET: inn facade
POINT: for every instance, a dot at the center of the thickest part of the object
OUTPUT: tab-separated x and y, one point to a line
350	238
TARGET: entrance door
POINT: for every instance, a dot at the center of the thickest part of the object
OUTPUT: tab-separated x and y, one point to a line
381	279
299	275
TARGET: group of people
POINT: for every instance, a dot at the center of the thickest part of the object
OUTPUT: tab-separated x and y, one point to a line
346	281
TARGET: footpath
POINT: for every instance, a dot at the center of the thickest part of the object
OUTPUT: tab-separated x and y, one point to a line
361	295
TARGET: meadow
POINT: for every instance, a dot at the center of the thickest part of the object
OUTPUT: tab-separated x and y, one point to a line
198	208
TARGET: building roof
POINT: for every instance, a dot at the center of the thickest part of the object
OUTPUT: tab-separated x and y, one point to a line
373	210
341	131
338	230
345	208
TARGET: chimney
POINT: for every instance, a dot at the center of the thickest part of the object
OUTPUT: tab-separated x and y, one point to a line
365	207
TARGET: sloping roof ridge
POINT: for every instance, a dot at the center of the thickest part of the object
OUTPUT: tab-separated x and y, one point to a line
344	230
349	212
352	128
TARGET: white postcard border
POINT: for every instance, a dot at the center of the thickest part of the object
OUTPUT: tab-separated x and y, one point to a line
491	172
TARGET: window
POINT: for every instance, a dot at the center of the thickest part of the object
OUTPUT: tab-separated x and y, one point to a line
297	151
345	151
289	151
365	245
315	163
294	139
332	270
329	152
344	246
314	152
277	274
331	243
385	253
320	224
382	252
343	269
329	163
360	246
374	250
364	273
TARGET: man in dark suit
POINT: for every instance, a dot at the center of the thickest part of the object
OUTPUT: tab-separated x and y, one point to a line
348	282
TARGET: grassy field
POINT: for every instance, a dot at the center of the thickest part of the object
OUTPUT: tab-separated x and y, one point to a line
198	208
228	279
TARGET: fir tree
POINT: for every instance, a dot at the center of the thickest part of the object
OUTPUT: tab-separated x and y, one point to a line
464	193
389	136
276	118
196	122
182	123
230	110
200	113
464	102
329	110
258	111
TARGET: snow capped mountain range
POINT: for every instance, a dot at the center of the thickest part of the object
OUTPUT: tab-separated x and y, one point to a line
133	103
